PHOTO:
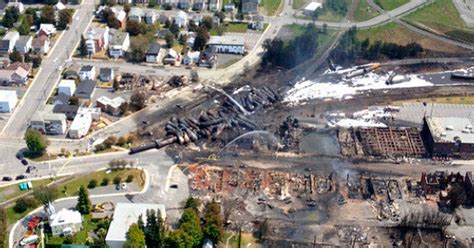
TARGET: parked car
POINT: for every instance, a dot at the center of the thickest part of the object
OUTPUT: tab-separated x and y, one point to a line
19	177
30	169
7	179
19	156
24	162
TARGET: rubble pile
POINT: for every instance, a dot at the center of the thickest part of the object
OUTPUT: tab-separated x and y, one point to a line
290	133
210	124
177	81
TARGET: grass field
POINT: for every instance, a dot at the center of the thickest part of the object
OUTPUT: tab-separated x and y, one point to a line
364	12
235	27
298	4
330	16
449	100
404	36
72	187
9	192
390	4
79	238
442	17
247	240
271	6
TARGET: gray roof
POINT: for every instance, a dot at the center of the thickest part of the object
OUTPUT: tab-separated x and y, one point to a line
23	40
136	12
118	37
227	40
86	88
62	98
451	129
105	71
87	68
65	108
153	49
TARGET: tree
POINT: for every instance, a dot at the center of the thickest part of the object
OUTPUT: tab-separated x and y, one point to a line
3	227
135	237
141	224
74	100
15	56
192	203
152	3
83	47
213	224
124	107
36	141
126	8
178	239
154	229
221	16
190	224
202	37
65	18
117	180
138	99
25	25
174	29
207	22
105	181
129	179
20	205
108	16
47	15
83	201
138	48
134	28
92	184
10	17
46	195
169	38
51	2
36	60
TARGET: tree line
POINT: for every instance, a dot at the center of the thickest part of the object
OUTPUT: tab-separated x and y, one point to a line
350	49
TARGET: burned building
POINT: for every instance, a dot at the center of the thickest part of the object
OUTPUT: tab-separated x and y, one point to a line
448	136
432	183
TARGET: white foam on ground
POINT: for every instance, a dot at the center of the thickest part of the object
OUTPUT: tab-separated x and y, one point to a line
348	123
345	89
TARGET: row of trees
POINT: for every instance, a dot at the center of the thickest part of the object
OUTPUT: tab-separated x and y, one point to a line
190	233
288	55
350	49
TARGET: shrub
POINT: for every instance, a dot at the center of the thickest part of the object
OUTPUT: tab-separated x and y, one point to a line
22	204
117	180
129	179
92	184
105	181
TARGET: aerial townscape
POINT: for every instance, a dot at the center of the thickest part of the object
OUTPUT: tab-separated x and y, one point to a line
236	123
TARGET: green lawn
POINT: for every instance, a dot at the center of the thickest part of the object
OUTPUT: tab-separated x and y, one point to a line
236	27
390	4
9	192
441	16
364	12
247	240
330	16
271	6
72	187
298	4
379	33
80	238
13	216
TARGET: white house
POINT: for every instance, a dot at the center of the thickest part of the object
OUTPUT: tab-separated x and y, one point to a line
97	39
67	87
181	19
8	100
151	17
41	44
125	215
87	72
311	7
191	58
65	222
94	112
119	43
49	123
155	53
228	44
9	41
59	6
80	125
172	57
136	14
23	45
111	106
47	29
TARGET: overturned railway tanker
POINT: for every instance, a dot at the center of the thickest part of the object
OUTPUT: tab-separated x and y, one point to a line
210	124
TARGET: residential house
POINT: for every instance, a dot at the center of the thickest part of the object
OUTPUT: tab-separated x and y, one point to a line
136	14
111	106
151	17
8	100
184	4
65	222
191	58
257	22
216	21
94	112
214	5
311	8
49	123
25	66
23	45
181	19
196	19
168	4
208	57
228	44
18	5
126	214
172	57
69	110
59	6
106	74
97	39
16	76
61	99
229	8
4	61
120	15
80	125
46	29
249	6
119	43
85	90
163	18
199	5
87	72
8	41
155	53
190	41
67	87
40	44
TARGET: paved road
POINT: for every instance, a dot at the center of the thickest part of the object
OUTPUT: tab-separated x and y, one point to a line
46	79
